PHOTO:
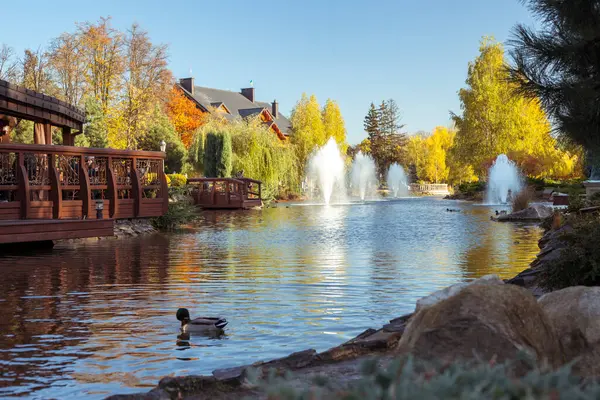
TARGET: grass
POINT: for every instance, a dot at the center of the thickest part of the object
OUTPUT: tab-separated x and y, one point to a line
521	200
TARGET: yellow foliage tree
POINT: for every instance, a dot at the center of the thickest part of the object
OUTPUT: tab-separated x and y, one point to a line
333	124
309	132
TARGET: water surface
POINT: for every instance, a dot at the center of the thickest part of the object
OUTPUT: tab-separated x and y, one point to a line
98	318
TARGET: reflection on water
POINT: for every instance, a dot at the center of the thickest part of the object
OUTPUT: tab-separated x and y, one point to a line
99	318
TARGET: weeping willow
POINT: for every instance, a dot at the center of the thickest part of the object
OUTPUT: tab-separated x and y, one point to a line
260	155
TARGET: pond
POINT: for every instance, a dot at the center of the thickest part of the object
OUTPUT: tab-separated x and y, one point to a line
98	318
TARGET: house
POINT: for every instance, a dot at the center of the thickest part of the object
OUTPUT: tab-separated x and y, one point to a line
234	105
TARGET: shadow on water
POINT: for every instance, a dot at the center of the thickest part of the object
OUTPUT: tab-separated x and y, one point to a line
98	317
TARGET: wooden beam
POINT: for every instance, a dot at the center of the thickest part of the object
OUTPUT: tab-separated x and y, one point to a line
48	133
113	195
84	183
55	189
136	188
164	189
23	192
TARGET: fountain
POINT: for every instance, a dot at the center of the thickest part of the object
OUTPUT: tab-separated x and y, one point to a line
363	176
397	180
326	169
504	176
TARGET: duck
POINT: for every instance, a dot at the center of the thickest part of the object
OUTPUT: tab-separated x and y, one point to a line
202	324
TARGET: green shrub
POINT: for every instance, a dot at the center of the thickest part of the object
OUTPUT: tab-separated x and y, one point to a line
470	188
580	263
407	379
218	153
181	210
177	180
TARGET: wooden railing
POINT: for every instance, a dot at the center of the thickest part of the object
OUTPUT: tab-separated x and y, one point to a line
226	192
433	188
66	182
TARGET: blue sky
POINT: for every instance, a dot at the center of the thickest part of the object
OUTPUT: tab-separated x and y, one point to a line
355	52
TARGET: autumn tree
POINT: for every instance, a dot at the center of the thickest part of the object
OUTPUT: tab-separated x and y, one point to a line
36	72
185	115
435	168
67	66
146	82
8	64
103	54
307	122
333	124
495	120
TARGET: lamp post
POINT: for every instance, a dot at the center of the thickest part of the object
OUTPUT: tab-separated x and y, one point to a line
99	209
163	146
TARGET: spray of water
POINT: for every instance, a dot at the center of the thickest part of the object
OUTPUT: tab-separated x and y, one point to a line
503	176
363	175
397	180
326	169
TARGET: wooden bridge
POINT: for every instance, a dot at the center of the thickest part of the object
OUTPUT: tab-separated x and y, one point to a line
224	193
50	192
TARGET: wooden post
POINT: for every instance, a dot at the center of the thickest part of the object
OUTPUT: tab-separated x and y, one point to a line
227	192
39	137
84	187
48	133
164	189
68	138
136	189
111	183
23	191
55	190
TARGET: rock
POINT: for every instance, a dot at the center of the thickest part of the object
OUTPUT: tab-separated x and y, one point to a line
450	291
532	213
229	374
154	394
575	314
484	320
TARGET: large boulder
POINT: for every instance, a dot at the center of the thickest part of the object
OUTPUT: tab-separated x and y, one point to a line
575	314
536	212
486	321
450	291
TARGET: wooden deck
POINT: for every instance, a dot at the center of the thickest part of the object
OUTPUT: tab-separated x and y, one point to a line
52	229
226	193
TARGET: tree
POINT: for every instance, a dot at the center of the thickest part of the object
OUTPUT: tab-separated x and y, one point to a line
95	131
559	66
103	55
218	154
67	66
8	64
161	129
333	124
185	115
435	168
307	122
371	123
389	122
146	81
494	119
36	72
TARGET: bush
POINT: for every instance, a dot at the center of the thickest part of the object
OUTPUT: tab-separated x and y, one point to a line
409	379
218	154
471	188
177	180
181	211
580	264
521	200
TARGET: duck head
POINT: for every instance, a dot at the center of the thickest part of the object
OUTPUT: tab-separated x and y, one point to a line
183	315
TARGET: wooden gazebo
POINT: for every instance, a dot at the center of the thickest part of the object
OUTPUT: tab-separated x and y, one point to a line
52	192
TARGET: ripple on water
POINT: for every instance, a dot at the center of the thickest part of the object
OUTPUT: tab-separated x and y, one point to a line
98	318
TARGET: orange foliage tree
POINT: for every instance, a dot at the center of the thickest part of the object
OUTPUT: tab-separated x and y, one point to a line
184	115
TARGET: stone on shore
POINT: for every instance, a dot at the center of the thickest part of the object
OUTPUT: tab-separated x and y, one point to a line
575	314
487	321
536	212
450	291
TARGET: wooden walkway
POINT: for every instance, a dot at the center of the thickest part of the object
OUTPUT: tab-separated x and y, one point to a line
226	193
52	229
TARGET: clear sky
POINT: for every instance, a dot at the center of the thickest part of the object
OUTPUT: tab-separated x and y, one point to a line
355	52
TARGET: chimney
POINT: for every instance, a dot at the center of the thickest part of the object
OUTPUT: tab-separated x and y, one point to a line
187	84
275	109
248	93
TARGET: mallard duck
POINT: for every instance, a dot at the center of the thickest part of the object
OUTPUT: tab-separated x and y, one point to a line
202	324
